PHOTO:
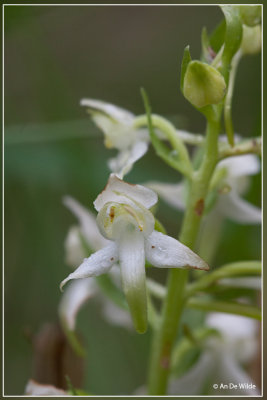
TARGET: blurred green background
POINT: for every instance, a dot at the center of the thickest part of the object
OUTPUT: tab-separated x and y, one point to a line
54	56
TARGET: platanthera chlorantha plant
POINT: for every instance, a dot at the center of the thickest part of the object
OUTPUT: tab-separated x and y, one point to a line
114	250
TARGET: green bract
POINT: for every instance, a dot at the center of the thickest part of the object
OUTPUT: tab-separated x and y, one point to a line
203	84
250	15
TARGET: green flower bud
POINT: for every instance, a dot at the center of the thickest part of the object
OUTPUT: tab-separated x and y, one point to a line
251	41
203	84
250	15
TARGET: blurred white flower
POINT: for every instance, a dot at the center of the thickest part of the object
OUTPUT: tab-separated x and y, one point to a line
223	358
125	220
40	389
120	133
78	292
229	203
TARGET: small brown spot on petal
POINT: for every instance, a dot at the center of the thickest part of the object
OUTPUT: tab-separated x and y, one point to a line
152	247
112	259
199	207
112	213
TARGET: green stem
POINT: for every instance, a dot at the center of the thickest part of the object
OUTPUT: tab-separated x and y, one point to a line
249	146
234	269
173	304
228	99
171	134
225	307
209	236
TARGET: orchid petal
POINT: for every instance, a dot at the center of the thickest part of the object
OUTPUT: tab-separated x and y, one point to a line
122	164
232	327
110	110
132	262
122	192
36	389
163	251
247	164
88	223
97	264
116	315
74	250
173	194
235	208
73	298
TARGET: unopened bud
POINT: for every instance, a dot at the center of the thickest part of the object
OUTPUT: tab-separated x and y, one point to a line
250	14
203	84
251	40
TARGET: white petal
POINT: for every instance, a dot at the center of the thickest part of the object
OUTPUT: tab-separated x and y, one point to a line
238	335
235	208
247	164
73	298
244	282
164	251
88	223
132	262
112	111
74	250
97	264
232	327
116	315
36	389
123	163
193	382
122	192
173	194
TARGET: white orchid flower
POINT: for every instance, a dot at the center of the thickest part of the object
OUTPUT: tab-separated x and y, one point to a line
78	292
125	220
120	133
34	388
223	359
229	204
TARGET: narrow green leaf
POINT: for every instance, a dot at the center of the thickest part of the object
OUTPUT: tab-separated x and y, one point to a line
225	307
186	60
240	268
217	36
233	37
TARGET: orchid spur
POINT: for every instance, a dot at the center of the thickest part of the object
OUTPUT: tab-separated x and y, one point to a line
125	220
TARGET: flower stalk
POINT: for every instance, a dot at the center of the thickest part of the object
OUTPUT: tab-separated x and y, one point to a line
174	304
